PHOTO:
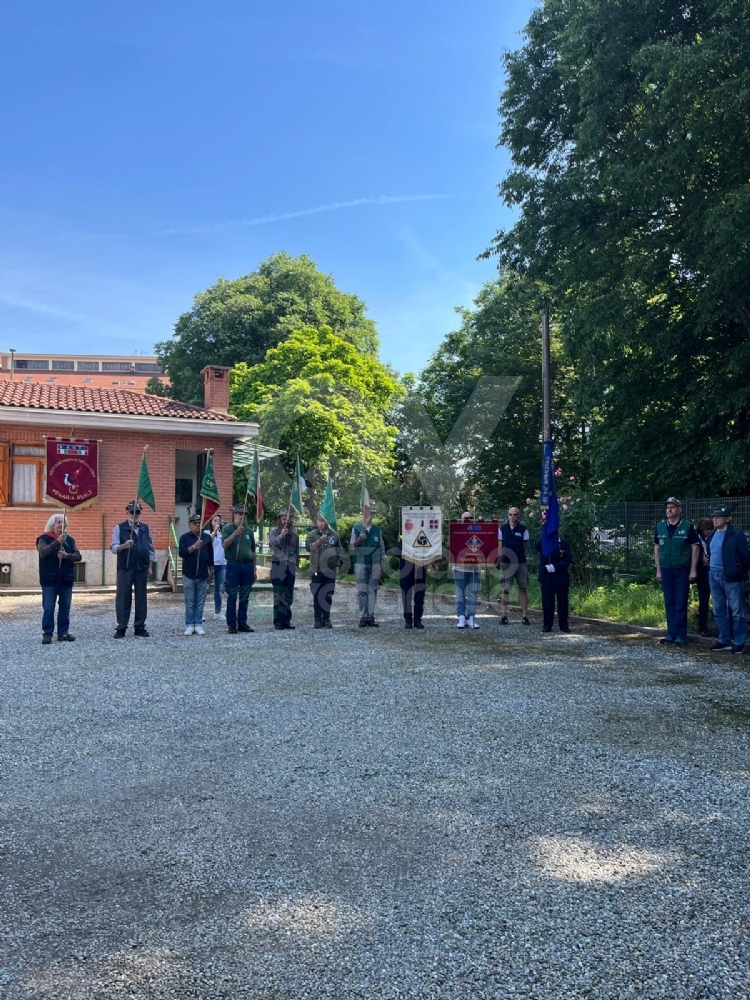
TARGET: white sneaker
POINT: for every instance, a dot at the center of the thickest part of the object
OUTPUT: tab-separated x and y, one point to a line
199	630
219	617
472	623
461	621
189	629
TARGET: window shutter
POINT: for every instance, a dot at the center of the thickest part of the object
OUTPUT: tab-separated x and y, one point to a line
4	474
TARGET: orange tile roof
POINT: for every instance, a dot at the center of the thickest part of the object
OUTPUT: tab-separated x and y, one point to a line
90	400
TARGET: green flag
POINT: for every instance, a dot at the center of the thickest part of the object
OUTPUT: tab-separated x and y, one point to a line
145	490
209	491
298	487
327	508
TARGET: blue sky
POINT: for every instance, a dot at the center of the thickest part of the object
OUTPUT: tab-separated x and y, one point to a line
149	149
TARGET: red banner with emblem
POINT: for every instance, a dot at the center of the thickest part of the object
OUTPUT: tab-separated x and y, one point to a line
473	544
72	472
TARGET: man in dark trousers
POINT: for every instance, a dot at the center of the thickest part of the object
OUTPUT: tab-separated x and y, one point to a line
284	545
413	582
324	546
197	554
57	557
134	548
555	583
238	542
676	550
728	567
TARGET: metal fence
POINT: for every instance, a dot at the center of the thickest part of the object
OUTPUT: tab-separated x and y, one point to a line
625	531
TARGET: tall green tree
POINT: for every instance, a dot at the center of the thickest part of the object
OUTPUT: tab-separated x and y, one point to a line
318	393
628	122
501	338
238	321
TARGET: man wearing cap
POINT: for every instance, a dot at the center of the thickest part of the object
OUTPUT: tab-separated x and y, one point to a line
367	549
283	541
466	580
727	569
134	548
676	550
324	546
197	554
238	542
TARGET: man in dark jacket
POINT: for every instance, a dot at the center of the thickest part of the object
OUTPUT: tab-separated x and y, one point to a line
238	542
197	554
283	541
57	557
324	546
728	567
134	548
555	583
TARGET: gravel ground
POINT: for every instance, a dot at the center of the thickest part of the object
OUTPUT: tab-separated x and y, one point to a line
369	813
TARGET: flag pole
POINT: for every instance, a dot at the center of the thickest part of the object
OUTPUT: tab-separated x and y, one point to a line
135	503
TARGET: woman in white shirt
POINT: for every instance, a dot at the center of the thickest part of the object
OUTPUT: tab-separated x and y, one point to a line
220	566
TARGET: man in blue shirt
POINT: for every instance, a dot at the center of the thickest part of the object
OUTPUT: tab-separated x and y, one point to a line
728	565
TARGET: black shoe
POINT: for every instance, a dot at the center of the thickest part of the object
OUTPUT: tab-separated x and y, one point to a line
46	640
364	622
327	623
721	647
120	633
565	630
318	625
504	620
232	629
418	624
67	637
408	624
547	630
141	633
525	620
738	649
244	628
666	641
680	642
372	623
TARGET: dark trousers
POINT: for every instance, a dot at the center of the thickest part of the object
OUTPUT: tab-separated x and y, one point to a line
62	596
413	584
322	588
554	589
129	580
283	595
704	592
238	583
675	583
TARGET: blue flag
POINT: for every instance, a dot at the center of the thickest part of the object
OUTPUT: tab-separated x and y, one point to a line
548	503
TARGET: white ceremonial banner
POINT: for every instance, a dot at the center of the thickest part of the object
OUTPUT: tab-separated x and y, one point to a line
421	534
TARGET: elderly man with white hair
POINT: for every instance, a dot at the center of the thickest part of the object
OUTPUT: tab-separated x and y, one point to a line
57	555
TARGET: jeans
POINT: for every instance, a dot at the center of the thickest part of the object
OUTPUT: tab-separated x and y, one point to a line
368	579
728	610
413	581
322	588
282	582
62	596
240	579
195	598
675	584
466	582
220	573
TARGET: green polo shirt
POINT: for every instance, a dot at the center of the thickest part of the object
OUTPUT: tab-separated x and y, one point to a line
242	548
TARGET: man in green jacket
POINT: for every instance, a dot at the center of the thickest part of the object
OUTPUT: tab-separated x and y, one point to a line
367	549
676	550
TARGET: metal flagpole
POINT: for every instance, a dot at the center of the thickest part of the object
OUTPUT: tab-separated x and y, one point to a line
546	409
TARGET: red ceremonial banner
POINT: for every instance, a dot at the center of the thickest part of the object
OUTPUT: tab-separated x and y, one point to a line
72	472
473	544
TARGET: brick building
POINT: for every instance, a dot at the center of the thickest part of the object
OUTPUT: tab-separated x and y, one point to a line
99	371
123	421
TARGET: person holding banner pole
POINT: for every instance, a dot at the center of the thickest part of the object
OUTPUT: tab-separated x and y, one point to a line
57	555
134	548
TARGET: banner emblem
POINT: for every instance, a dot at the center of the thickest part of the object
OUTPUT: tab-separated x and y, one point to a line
72	472
421	534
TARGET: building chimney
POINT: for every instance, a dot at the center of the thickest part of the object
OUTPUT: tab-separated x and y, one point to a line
216	388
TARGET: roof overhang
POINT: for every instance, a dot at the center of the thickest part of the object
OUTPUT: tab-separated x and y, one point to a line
86	420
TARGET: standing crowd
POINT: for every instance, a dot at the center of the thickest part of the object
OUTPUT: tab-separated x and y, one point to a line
714	556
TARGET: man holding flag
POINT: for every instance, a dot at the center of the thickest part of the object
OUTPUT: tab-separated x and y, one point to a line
367	549
555	557
324	546
283	541
134	547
